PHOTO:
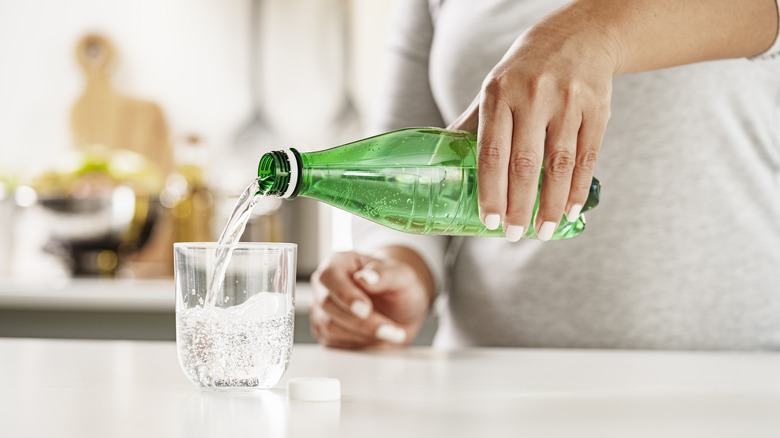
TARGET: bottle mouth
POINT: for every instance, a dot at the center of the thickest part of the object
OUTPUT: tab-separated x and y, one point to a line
279	173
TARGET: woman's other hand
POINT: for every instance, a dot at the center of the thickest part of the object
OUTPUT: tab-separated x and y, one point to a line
362	301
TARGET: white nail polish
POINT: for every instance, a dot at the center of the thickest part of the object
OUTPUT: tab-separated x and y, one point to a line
492	221
370	276
514	233
360	308
546	230
390	333
574	213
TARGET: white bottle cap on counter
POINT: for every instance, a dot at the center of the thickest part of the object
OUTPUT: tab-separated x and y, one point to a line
314	389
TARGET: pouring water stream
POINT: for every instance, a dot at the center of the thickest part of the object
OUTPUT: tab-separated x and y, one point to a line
230	236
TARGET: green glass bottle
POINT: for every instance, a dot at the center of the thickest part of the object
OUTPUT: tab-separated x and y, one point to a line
417	180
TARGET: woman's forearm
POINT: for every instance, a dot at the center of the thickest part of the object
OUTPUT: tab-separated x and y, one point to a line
654	34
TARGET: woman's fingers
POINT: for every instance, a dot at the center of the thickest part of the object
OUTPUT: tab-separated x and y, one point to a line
362	301
335	294
336	324
588	144
494	144
333	281
525	164
330	329
546	103
551	131
560	151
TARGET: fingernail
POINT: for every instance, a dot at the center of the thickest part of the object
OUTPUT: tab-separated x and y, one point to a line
514	233
546	231
574	213
360	308
390	333
370	276
492	221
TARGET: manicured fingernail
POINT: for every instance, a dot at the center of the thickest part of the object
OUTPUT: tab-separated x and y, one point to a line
514	233
370	276
390	333
361	309
492	221
546	231
574	213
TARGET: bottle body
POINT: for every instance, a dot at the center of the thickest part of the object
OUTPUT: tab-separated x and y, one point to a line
416	180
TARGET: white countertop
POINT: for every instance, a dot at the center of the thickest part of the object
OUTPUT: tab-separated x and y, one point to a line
93	294
135	389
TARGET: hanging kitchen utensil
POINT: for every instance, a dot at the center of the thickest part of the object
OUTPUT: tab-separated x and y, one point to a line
348	116
256	132
254	138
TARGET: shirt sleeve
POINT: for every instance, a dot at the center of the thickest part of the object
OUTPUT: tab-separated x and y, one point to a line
405	100
773	51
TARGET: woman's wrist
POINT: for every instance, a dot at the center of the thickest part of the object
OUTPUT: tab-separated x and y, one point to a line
581	28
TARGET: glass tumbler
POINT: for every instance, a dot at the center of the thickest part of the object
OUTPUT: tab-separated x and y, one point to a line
242	337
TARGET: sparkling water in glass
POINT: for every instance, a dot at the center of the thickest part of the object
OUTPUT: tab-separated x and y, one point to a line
243	339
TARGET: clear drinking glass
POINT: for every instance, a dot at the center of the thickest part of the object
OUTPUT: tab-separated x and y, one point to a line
243	339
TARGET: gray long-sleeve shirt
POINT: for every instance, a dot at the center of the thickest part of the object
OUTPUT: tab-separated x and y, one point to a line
684	249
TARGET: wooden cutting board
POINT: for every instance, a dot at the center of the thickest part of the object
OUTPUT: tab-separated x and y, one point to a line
103	116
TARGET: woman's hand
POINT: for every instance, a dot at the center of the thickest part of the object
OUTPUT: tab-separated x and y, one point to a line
545	103
363	301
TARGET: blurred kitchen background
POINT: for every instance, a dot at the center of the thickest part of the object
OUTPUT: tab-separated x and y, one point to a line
127	125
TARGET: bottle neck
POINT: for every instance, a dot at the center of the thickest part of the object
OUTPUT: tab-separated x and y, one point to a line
280	172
